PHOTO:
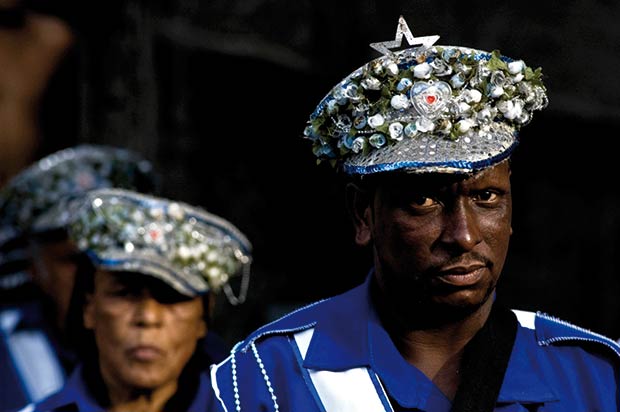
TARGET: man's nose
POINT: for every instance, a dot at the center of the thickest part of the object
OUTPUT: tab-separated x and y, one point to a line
461	227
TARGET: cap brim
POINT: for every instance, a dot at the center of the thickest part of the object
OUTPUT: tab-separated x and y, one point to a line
427	153
185	283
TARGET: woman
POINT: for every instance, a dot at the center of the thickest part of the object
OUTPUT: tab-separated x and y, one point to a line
140	304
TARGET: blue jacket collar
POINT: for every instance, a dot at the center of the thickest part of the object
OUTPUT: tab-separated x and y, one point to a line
348	334
551	330
75	392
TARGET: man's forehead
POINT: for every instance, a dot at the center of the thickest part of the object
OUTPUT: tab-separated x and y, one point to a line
436	179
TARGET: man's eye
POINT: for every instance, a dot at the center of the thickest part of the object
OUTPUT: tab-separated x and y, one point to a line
422	201
486	196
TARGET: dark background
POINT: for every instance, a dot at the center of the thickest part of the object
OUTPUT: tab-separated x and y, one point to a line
216	94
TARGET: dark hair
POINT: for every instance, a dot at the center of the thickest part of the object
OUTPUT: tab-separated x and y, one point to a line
79	338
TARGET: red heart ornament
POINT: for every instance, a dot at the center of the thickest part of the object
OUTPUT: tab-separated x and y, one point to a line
430	98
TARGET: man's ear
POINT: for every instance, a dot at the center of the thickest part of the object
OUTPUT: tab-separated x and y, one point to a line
359	207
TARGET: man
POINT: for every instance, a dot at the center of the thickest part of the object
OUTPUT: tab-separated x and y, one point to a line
425	134
38	259
147	267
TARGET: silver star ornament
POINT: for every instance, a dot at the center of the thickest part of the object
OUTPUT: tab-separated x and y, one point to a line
403	30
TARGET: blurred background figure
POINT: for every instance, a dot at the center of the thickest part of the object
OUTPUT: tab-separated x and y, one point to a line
38	263
32	44
140	307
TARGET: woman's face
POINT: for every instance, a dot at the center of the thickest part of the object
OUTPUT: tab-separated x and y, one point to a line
145	331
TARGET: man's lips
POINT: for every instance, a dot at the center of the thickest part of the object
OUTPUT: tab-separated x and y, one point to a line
462	276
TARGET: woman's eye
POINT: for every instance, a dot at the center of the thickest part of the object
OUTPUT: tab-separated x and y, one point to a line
126	292
120	292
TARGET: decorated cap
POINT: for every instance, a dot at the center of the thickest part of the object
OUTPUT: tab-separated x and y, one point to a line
67	173
427	108
191	250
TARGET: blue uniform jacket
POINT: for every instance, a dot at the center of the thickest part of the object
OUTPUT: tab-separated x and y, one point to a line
334	355
75	396
31	361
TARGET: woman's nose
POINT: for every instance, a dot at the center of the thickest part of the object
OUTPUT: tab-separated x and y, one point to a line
148	312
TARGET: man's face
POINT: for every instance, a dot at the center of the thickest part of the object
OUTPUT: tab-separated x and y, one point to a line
144	330
439	241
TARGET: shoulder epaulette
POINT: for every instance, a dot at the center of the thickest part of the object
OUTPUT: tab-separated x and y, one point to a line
550	330
292	322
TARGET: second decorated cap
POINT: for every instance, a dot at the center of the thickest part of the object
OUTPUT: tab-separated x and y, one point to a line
188	248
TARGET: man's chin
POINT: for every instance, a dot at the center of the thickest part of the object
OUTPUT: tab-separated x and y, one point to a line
462	301
440	310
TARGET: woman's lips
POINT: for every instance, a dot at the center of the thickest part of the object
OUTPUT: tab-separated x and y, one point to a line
145	353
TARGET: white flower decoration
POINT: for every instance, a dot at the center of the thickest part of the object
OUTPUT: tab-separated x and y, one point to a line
371	83
463	126
396	131
175	211
511	109
392	69
472	95
358	144
424	125
399	102
156	213
496	91
422	71
376	121
184	252
516	66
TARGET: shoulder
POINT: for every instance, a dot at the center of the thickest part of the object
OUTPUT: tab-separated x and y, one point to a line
273	335
549	331
266	362
72	397
561	364
336	309
299	319
54	403
59	402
